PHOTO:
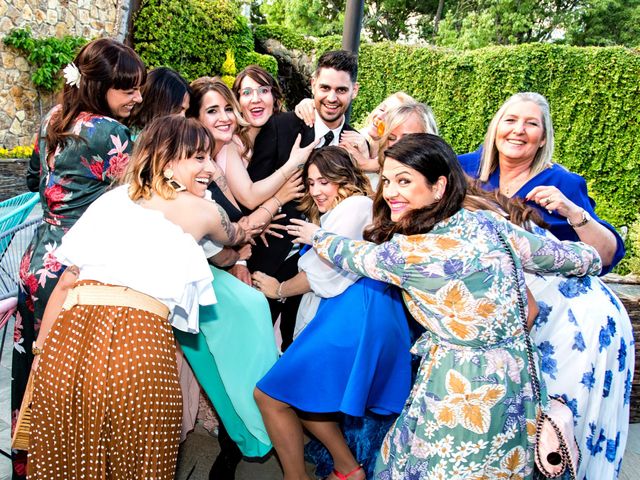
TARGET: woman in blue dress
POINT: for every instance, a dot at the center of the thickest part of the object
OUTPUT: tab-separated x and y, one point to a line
583	332
353	356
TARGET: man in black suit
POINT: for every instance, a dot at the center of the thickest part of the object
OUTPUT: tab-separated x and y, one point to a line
333	87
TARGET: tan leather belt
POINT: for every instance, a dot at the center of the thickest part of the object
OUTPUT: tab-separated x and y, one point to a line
114	296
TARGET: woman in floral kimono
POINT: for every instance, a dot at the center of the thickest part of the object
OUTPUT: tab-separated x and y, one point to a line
83	150
471	413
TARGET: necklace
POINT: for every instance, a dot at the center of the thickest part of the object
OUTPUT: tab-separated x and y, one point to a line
510	187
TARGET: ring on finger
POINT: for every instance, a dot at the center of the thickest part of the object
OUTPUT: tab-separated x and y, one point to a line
547	200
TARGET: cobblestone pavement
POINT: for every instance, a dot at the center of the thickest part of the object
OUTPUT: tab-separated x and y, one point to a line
12	178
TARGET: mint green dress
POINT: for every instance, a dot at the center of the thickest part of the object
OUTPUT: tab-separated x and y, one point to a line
233	350
470	414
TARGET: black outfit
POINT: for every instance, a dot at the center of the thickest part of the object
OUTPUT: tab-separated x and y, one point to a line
271	150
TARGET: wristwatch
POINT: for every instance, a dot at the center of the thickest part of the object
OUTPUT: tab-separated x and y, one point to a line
35	349
585	219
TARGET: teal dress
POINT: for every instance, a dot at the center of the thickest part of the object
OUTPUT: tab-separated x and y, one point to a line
233	350
470	413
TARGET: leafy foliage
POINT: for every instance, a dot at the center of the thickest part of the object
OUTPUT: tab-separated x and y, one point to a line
16	152
593	92
607	22
313	17
193	36
468	23
49	55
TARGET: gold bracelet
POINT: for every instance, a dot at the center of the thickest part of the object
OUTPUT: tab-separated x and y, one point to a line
283	175
279	292
267	210
279	203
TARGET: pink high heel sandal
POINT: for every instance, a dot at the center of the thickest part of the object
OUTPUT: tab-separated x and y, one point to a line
342	476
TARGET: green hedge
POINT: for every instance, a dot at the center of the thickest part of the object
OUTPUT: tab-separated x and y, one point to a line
193	36
594	95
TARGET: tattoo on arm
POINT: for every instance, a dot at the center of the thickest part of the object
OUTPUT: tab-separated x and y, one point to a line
221	181
231	229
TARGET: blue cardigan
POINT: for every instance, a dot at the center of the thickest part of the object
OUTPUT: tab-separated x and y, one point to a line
572	185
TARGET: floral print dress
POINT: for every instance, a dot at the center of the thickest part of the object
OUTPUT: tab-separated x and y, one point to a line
70	181
471	413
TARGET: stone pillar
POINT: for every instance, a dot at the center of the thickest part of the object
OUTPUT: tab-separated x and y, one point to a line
21	105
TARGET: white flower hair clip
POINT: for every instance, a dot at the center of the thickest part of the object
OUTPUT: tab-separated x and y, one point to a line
72	75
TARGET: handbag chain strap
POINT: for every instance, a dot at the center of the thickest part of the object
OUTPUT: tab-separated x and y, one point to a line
535	383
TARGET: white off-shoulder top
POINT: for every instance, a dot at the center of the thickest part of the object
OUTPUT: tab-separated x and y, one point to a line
119	242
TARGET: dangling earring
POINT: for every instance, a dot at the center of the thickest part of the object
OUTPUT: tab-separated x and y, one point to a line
177	186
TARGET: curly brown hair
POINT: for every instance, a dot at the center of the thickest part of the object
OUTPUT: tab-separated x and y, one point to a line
336	165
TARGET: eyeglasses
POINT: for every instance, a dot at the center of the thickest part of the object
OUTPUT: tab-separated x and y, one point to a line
261	91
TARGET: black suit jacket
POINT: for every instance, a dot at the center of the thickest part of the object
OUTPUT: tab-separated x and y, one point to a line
270	151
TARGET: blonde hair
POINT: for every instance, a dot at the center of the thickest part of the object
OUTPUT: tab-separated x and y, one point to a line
543	157
401	97
165	139
396	116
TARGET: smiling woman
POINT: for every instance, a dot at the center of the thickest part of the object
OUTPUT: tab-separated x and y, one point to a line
450	263
83	150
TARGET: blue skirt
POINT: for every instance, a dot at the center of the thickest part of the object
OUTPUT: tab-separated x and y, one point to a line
352	357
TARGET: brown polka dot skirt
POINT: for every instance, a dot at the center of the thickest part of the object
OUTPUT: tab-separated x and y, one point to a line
106	401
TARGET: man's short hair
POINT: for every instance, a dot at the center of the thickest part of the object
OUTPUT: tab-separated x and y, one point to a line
341	60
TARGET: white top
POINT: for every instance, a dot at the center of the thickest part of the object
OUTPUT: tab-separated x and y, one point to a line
348	218
119	242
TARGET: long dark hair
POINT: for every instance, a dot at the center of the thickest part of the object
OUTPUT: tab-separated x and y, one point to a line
513	209
334	164
162	94
433	158
103	64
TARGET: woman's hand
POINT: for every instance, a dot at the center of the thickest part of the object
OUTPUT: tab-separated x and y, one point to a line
292	188
266	284
552	199
358	148
306	111
244	252
250	229
302	231
271	229
298	156
242	273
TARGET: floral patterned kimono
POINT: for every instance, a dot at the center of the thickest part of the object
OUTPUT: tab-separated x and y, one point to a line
70	181
471	413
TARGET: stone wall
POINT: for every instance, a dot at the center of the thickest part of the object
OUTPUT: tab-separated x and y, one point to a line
21	105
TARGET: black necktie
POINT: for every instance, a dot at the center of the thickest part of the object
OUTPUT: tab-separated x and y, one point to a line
328	138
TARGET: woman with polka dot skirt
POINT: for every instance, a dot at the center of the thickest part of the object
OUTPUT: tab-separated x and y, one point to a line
106	401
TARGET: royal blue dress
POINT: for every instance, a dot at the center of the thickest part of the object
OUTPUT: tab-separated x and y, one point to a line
352	358
572	185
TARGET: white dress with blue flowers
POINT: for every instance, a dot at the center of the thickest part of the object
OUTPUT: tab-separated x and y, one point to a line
471	413
585	341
